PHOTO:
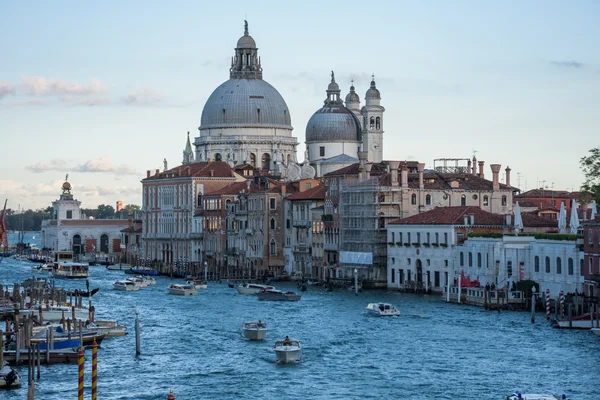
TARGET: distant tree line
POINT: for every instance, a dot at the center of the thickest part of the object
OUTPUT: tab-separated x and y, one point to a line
31	220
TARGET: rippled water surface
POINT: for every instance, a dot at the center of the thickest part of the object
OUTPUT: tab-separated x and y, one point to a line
433	350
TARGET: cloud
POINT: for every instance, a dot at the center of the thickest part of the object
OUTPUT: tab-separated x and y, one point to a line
6	89
40	86
567	64
143	97
90	102
99	165
109	191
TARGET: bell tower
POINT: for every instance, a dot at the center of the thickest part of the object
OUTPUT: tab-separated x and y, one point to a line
372	114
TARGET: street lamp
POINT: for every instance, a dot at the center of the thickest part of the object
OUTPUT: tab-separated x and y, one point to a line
205	270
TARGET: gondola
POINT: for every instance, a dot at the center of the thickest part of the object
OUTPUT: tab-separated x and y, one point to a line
82	293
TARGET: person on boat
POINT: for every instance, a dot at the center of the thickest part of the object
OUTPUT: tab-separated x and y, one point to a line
287	341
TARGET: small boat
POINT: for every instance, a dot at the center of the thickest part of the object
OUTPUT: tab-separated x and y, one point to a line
138	281
251	288
118	267
9	377
147	279
288	350
583	321
277	295
62	341
182	290
42	268
254	330
125	285
107	328
383	309
523	396
596	331
82	293
198	283
144	271
56	313
230	284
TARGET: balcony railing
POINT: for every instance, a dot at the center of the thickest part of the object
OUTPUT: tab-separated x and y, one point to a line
302	249
302	223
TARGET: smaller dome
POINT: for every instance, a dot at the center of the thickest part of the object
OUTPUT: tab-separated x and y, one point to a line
333	123
246	42
373	93
66	186
352	97
333	86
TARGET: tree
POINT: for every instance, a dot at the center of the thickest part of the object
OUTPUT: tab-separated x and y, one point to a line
591	169
105	211
131	208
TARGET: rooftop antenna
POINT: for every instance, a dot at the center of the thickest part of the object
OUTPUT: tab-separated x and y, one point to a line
519	179
475	153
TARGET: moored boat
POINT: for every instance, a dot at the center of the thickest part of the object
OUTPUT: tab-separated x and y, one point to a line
82	293
118	267
107	328
125	285
584	321
277	295
144	271
254	330
288	350
198	283
182	290
596	331
252	288
383	309
524	396
9	377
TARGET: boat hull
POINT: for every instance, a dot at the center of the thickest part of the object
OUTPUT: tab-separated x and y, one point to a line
596	331
186	292
144	271
277	297
254	334
287	356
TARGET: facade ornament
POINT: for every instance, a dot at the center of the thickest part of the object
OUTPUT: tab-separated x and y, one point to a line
165	164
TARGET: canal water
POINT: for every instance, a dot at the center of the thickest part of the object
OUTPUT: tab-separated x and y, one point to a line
432	351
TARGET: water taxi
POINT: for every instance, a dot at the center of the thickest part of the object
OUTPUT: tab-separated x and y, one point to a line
277	295
182	290
254	330
383	310
252	288
288	350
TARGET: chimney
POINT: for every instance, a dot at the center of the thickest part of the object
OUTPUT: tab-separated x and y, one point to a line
189	171
179	171
212	172
474	165
248	183
368	167
421	169
404	178
394	172
481	172
157	172
283	190
507	180
119	205
468	166
147	173
495	171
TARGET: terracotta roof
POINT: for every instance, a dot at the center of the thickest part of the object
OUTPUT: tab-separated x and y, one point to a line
527	203
315	193
131	230
543	193
213	169
231	189
376	169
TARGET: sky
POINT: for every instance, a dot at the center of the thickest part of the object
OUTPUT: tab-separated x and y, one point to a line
104	91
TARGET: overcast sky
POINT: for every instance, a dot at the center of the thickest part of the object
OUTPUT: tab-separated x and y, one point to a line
104	91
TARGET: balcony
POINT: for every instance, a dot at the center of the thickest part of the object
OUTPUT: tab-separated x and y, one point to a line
302	248
302	223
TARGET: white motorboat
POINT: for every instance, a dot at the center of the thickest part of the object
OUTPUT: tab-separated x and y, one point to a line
118	267
596	331
277	295
125	285
108	328
182	290
42	268
254	330
147	279
138	281
252	288
523	396
9	377
288	350
56	313
383	309
198	284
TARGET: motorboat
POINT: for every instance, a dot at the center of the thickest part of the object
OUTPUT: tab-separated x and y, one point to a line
118	267
523	396
9	377
149	280
57	312
198	283
383	309
107	328
583	321
182	290
64	340
277	295
252	288
254	330
596	331
42	268
288	350
139	281
144	271
125	285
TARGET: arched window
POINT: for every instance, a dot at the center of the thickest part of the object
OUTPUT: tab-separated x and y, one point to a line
218	157
428	200
253	159
537	264
479	260
462	259
547	265
503	200
570	266
486	201
104	243
272	224
266	161
372	123
377	123
77	249
558	265
199	204
470	259
413	199
273	247
463	200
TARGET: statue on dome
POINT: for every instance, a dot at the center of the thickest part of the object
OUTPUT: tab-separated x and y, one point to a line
332	77
165	164
67	177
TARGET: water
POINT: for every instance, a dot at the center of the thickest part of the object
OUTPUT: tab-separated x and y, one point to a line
432	351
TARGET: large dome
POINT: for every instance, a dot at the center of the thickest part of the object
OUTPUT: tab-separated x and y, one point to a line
333	123
245	103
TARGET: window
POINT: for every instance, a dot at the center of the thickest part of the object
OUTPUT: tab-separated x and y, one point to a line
393	275
272	203
470	259
486	201
463	200
589	233
436	279
419	237
218	157
479	260
446	238
377	123
413	199
287	223
393	237
273	247
266	161
308	185
70	214
537	264
445	263
504	201
322	151
581	267
591	266
570	266
462	259
558	265
547	265
509	268
408	261
428	241
272	224
428	200
372	123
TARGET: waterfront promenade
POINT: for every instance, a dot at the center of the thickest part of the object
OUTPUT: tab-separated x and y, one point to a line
432	351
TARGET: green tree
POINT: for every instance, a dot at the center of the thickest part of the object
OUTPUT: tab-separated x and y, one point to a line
590	165
131	208
105	211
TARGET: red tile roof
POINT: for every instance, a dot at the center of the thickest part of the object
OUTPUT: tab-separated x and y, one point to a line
213	169
231	189
315	193
543	193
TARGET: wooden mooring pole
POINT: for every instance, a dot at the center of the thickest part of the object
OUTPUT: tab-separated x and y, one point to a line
137	332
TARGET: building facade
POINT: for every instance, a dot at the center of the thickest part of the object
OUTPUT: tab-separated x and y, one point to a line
591	262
